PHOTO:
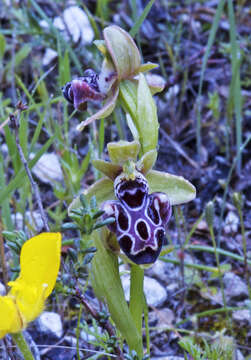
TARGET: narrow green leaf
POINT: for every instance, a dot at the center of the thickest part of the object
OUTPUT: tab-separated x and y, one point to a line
19	178
2	45
235	81
134	30
209	45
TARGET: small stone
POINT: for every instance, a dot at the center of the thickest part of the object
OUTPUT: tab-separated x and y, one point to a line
2	289
242	317
168	358
49	56
50	322
235	287
231	223
75	22
155	293
48	168
33	218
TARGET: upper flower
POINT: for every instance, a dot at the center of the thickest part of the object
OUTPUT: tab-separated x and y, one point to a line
122	62
39	264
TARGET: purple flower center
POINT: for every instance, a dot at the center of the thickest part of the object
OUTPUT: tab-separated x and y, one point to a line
140	219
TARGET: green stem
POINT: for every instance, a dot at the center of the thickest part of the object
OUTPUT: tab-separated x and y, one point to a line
137	296
23	346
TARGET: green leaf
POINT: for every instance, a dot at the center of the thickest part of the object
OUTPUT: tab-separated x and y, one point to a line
134	30
147	118
19	179
123	51
177	188
2	45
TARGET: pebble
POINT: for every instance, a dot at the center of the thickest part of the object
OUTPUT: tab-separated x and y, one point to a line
231	223
50	322
2	289
76	22
168	358
48	168
33	218
242	317
235	287
155	293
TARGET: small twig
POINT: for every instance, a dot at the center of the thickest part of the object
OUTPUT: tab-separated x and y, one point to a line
107	325
2	257
15	125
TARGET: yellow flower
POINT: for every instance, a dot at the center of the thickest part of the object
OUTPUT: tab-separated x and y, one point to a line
39	263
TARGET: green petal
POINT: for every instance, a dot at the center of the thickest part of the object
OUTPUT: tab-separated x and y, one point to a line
177	188
147	161
107	168
122	151
104	112
123	51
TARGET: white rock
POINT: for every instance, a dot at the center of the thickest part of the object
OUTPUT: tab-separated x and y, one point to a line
2	289
242	317
49	56
77	24
231	223
155	293
235	287
33	218
48	168
168	358
50	322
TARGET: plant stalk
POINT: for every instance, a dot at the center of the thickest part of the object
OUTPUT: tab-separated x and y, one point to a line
22	345
136	305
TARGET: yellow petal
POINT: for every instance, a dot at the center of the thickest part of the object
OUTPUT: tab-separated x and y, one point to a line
10	320
28	299
40	261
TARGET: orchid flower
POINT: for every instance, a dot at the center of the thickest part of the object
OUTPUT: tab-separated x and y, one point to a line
39	264
138	198
121	63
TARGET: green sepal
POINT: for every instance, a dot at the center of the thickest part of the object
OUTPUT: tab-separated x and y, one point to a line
147	161
109	169
123	51
105	273
147	118
123	151
178	189
101	189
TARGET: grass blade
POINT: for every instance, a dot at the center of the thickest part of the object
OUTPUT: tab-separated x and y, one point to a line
134	30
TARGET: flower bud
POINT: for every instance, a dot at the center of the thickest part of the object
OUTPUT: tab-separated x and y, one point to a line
123	51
